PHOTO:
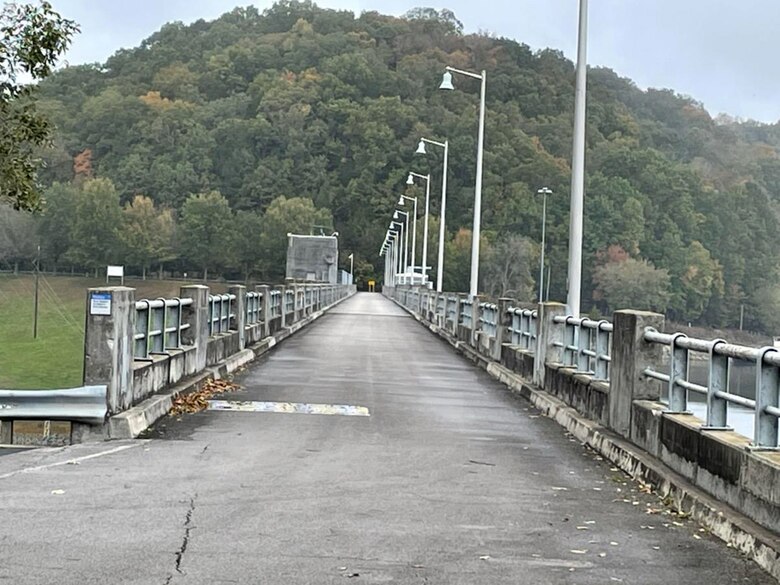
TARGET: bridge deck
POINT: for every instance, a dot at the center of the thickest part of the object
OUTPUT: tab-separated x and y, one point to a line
450	480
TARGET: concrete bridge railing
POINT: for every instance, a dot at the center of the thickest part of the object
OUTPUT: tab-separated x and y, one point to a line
138	347
632	380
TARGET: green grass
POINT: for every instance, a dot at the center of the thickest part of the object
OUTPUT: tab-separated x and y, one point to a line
54	359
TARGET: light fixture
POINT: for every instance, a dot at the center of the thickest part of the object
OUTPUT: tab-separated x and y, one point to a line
410	179
421	148
446	81
395	215
401	201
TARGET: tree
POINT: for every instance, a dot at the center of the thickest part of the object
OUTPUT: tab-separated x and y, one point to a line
57	220
31	41
146	233
507	268
205	231
18	241
247	241
632	284
296	215
97	218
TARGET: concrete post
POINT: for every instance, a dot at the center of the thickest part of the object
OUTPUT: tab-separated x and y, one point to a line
504	322
548	332
265	290
630	355
456	317
197	315
475	312
238	322
283	296
6	432
108	343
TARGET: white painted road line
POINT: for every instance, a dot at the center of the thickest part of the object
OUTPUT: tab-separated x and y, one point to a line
288	407
74	461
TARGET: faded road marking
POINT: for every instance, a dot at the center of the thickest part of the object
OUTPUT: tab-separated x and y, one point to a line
74	461
288	407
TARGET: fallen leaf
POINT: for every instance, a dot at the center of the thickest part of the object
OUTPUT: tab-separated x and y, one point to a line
484	558
57	492
578	552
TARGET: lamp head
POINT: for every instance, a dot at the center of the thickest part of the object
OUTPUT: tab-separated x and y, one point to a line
401	201
395	215
410	179
446	81
421	148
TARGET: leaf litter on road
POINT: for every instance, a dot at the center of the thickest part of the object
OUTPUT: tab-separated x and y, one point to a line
199	400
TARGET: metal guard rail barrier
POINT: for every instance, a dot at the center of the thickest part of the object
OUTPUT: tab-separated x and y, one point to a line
465	312
451	308
276	304
523	328
289	302
488	319
765	406
220	313
86	404
158	325
586	345
254	307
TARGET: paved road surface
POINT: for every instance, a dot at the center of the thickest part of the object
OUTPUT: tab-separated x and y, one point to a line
451	480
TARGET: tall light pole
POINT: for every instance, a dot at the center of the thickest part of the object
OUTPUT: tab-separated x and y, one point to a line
578	167
421	150
400	237
396	215
446	83
414	226
544	191
410	181
351	268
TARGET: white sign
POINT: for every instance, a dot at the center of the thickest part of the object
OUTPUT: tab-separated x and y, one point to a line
100	303
118	271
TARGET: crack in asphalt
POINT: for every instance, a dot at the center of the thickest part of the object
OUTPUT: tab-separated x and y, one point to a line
186	540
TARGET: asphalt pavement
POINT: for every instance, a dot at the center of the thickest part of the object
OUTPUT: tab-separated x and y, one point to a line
449	480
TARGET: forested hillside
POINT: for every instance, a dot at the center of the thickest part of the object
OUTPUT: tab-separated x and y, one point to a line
303	102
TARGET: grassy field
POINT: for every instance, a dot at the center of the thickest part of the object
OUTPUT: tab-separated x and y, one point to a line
54	360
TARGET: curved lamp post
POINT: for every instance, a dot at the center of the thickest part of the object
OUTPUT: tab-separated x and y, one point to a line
410	181
414	227
544	191
397	215
446	83
421	150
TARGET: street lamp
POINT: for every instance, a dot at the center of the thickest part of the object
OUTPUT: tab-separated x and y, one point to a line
351	268
544	191
397	215
578	167
446	83
399	232
421	150
410	181
414	226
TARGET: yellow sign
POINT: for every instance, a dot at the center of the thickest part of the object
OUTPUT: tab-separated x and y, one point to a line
371	285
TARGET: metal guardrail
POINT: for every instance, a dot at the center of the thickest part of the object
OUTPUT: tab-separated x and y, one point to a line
158	326
586	345
289	302
451	308
275	305
721	354
254	307
220	313
465	313
523	328
488	319
86	404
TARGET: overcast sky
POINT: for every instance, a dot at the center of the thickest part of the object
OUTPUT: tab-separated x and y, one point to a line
722	52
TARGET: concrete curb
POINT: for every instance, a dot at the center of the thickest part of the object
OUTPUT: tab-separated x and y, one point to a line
738	531
134	421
